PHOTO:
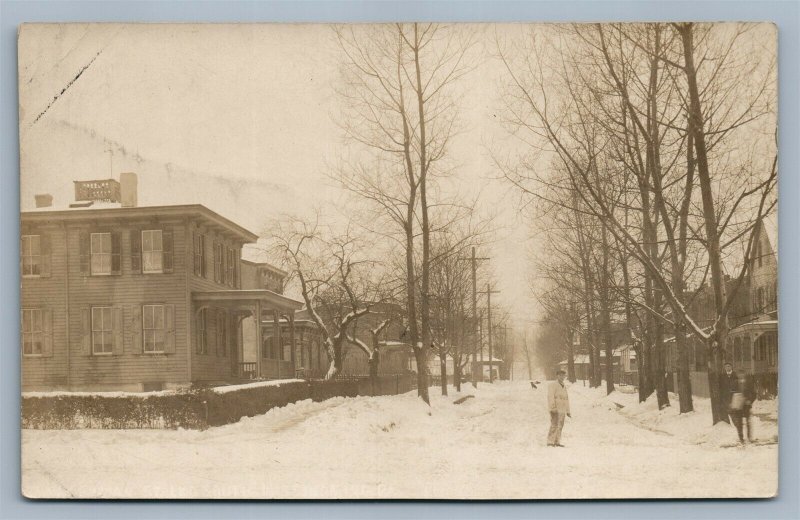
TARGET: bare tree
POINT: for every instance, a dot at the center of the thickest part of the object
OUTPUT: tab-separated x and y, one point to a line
398	85
335	280
614	124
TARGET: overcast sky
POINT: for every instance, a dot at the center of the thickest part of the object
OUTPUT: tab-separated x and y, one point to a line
235	117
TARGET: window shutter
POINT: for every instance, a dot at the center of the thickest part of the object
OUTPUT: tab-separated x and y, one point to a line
84	253
221	248
86	330
118	330
47	325
195	247
136	329
217	330
169	326
116	253
228	328
44	244
203	256
136	251
166	244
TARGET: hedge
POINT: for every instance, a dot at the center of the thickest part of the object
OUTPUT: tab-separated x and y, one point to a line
193	409
68	412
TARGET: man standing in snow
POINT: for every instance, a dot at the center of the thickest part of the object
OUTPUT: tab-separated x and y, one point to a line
738	394
558	404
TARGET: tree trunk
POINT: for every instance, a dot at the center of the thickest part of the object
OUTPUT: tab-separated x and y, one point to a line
684	380
421	358
605	309
374	359
457	371
660	375
716	343
570	361
335	366
443	372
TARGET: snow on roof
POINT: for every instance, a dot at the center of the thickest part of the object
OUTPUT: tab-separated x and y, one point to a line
584	358
580	359
395	344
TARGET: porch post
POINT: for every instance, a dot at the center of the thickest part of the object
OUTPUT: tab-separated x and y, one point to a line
257	319
302	348
277	334
291	340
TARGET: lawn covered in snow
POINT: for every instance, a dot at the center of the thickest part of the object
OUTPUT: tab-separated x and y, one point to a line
490	446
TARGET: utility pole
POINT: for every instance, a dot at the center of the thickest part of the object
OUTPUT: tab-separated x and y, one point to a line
475	324
480	340
489	293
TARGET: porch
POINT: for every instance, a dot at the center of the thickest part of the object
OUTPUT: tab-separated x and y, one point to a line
245	310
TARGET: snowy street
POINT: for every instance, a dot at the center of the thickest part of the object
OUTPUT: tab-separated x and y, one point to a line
491	446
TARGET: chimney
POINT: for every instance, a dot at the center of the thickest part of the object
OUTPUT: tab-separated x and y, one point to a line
128	187
43	200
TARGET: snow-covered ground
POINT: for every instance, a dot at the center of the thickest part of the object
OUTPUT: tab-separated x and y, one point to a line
490	446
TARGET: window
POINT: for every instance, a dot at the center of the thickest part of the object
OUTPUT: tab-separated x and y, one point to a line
31	250
270	349
32	332
222	334
772	351
761	353
100	253
153	328
200	255
202	337
102	331
152	251
219	273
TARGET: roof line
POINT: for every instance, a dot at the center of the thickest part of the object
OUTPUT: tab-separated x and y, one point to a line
179	209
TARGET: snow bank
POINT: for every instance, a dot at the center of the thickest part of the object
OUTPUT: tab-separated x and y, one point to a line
233	388
392	447
693	427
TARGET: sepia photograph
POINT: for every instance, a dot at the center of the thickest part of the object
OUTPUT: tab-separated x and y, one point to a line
447	261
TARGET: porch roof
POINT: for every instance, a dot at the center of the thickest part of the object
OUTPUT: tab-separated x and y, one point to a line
755	326
248	296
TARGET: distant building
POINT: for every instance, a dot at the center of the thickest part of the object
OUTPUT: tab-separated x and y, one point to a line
623	363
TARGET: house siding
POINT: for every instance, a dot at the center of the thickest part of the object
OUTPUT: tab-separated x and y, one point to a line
48	293
67	293
130	291
212	367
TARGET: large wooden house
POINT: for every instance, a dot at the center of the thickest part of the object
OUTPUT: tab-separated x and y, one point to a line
120	297
752	342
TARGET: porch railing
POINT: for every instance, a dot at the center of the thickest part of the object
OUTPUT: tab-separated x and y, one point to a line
247	370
